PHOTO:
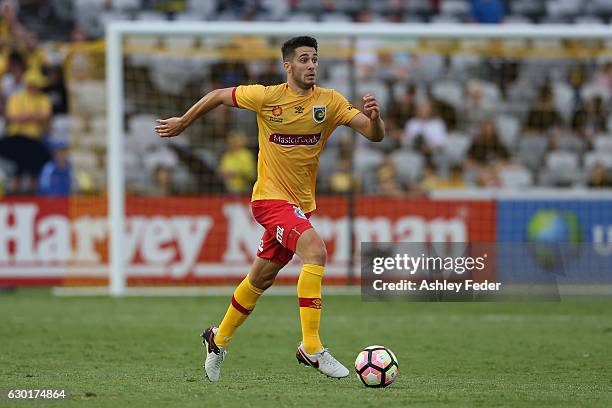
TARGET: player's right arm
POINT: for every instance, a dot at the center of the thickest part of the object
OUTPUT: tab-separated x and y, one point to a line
174	126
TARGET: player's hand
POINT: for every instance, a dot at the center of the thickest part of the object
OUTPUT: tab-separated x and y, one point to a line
371	107
169	127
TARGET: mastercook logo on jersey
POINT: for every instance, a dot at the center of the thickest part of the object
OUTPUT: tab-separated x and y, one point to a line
318	113
295	140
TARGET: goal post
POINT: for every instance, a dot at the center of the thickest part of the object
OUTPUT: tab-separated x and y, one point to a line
391	36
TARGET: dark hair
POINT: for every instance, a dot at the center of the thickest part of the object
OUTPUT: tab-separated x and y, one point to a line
290	45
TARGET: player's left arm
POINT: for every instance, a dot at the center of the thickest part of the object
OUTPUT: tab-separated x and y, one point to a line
369	123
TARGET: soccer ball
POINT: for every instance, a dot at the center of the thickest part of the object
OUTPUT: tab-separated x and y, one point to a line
376	366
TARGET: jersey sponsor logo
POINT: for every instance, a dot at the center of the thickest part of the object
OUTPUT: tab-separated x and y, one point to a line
295	140
318	113
277	110
279	233
298	211
299	109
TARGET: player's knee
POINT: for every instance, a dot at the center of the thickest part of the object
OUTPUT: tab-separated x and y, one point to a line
263	282
316	253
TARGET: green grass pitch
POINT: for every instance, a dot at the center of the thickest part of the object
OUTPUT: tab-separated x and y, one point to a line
146	352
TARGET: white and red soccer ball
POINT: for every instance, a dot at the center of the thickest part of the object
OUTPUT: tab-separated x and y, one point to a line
376	366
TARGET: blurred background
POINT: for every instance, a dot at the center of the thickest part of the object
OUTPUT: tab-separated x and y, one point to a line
488	140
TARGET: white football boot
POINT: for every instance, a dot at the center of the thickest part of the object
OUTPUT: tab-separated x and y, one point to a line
322	361
214	354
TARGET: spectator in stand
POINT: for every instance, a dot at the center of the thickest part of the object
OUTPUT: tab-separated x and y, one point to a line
487	11
487	155
56	176
270	75
395	10
229	72
476	108
12	79
29	110
387	182
56	90
36	57
590	118
600	177
237	165
426	132
27	113
433	181
543	116
603	77
341	181
10	28
403	109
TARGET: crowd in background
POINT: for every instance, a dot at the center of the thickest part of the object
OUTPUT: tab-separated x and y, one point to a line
499	125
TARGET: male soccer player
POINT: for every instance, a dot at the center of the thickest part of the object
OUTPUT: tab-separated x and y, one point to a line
294	120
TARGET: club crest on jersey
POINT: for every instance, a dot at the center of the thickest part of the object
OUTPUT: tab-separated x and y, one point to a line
318	113
298	211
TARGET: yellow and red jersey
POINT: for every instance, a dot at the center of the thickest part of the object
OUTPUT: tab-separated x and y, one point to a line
293	130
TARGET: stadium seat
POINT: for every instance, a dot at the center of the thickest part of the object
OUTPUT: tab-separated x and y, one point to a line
564	99
150	15
376	88
160	157
559	8
366	159
179	43
444	19
276	9
448	91
336	18
531	150
302	18
515	177
84	160
589	20
60	126
189	16
562	162
409	165
455	7
515	19
561	169
418	6
570	143
603	144
456	147
90	97
202	8
590	90
508	127
126	4
591	158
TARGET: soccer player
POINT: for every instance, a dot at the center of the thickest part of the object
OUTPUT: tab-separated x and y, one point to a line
295	120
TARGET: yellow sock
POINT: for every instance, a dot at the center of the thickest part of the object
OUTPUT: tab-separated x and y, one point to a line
243	302
309	299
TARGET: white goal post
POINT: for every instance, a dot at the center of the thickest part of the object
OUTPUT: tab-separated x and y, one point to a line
116	32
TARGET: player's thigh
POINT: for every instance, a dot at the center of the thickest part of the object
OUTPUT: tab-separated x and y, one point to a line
311	248
263	272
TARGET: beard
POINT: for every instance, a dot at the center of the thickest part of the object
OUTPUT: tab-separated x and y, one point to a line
301	83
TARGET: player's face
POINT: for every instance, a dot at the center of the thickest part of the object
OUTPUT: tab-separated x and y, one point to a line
303	67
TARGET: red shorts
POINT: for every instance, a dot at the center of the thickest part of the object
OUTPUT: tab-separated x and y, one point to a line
284	223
